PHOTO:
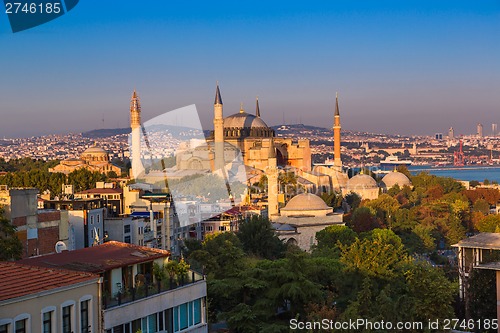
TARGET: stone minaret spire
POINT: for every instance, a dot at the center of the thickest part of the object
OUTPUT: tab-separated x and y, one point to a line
336	135
257	109
135	124
135	111
272	181
218	131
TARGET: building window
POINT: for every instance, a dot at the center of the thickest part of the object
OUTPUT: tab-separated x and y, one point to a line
48	319
21	326
84	316
126	228
222	228
92	219
197	311
47	322
209	228
66	319
127	239
186	315
98	218
4	328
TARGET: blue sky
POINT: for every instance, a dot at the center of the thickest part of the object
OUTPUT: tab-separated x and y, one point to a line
406	67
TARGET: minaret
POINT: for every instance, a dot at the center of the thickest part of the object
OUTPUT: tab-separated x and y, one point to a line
135	124
336	135
272	181
218	131
257	109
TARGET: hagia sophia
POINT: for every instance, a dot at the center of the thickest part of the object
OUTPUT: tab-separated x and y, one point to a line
262	153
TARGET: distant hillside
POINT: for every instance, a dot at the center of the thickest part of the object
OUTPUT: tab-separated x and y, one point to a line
107	132
300	127
281	129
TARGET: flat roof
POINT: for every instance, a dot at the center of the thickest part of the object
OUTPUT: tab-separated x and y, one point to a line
484	240
102	191
17	280
98	259
494	266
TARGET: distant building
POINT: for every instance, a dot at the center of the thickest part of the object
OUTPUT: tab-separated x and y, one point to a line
480	130
154	206
451	133
113	197
132	298
126	230
92	159
85	219
438	136
494	129
48	299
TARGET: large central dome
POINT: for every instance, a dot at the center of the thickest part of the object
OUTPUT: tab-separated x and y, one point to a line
243	120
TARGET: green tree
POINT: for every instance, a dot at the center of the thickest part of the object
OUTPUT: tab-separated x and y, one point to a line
353	200
482	206
83	179
432	293
112	174
378	254
332	199
490	223
221	255
11	247
330	239
258	238
363	220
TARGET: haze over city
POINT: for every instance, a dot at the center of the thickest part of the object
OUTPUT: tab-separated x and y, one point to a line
413	67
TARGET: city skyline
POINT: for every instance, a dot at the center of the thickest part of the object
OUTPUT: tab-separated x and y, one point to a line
412	68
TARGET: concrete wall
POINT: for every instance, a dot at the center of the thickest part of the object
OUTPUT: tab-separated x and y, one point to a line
79	220
32	306
115	228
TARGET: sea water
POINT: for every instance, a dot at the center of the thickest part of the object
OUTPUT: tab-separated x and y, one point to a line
478	173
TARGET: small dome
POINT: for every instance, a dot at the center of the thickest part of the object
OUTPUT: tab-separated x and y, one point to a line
306	201
244	120
361	182
394	178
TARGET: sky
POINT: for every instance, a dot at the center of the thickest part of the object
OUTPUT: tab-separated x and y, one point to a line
400	67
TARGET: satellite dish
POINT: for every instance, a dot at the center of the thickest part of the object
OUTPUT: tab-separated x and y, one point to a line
61	246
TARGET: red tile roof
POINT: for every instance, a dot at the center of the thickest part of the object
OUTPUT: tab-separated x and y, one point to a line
98	259
18	280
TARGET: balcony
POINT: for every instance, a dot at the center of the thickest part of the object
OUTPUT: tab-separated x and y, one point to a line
147	290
